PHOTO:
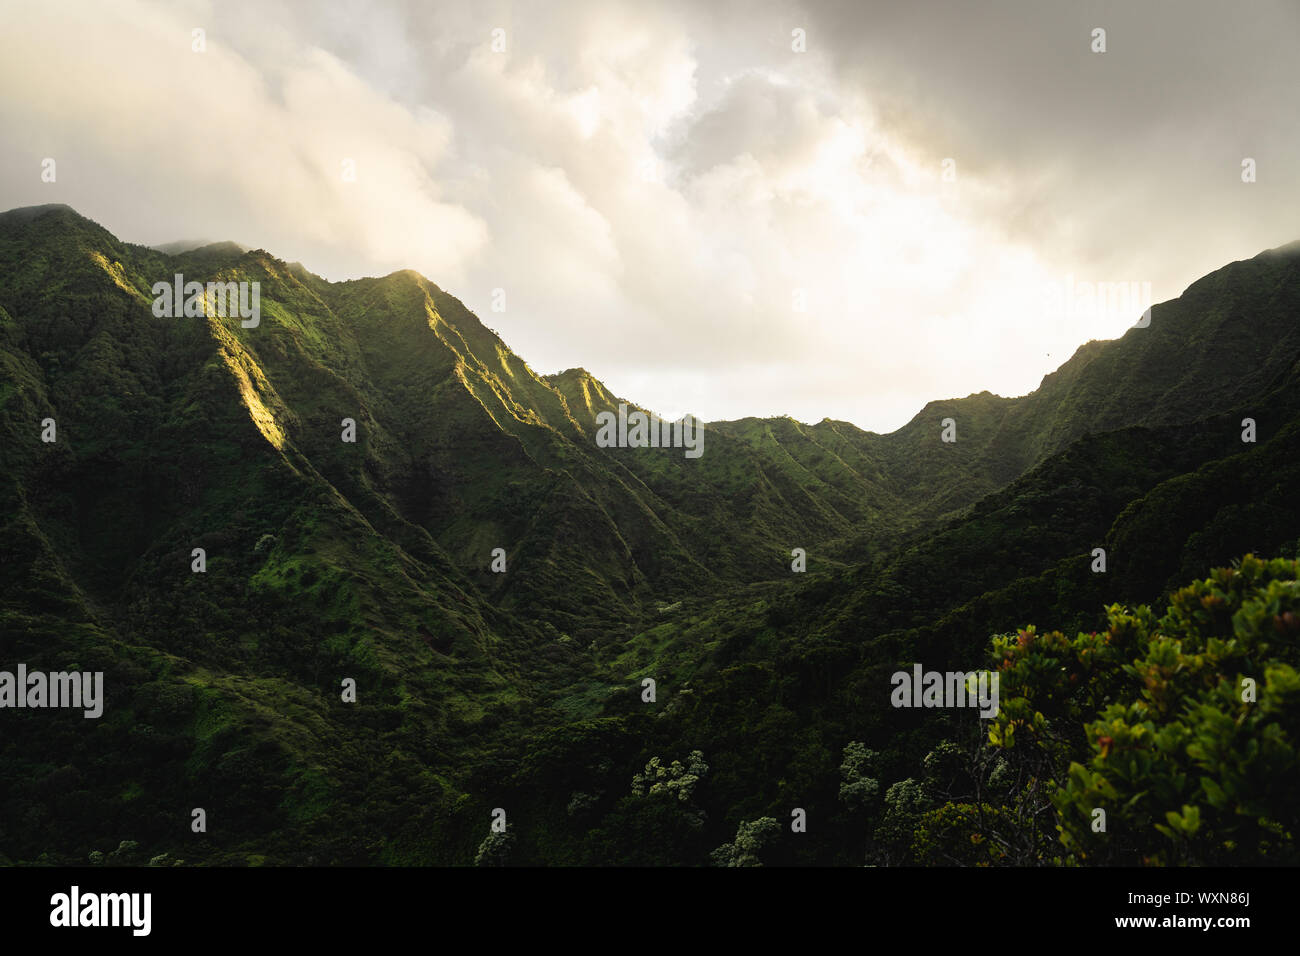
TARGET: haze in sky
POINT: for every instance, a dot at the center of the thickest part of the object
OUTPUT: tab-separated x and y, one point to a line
835	210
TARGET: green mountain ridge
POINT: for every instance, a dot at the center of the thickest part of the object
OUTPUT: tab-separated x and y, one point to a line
372	560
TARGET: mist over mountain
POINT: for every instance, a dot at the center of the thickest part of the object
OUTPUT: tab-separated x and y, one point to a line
198	245
497	586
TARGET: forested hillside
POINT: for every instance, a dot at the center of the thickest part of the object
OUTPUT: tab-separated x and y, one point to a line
327	560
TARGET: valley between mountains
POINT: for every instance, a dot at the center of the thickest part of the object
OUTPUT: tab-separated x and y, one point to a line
522	690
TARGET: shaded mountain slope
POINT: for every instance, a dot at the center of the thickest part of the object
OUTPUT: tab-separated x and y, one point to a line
329	560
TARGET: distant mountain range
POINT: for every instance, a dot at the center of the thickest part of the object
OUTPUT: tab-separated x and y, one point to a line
195	245
372	561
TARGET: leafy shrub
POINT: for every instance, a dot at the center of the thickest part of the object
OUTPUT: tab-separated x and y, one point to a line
1183	728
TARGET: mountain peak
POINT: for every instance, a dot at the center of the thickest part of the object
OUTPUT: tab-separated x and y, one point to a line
27	213
202	247
1286	251
577	372
582	390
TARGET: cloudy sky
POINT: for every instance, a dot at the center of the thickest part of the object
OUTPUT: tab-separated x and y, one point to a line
829	209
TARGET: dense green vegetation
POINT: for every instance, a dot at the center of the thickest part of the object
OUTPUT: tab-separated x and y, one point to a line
523	690
1160	739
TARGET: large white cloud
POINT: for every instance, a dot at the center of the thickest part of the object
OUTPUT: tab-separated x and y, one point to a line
660	188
